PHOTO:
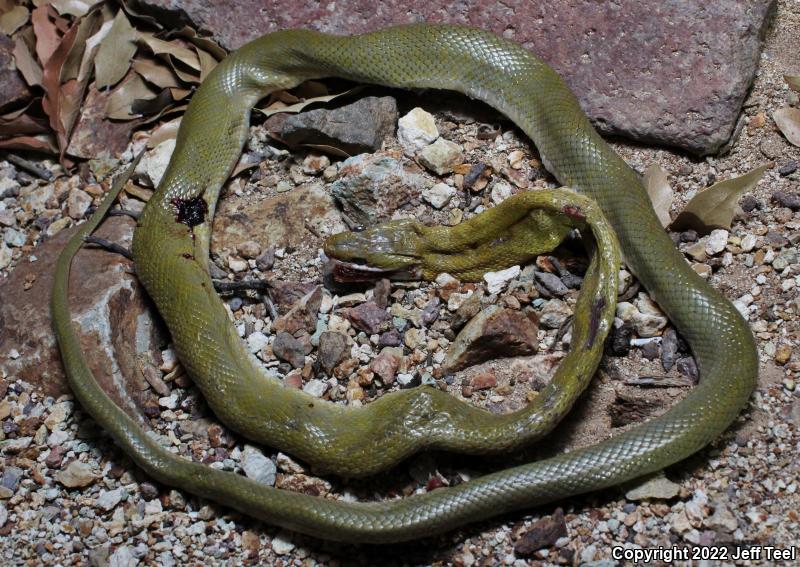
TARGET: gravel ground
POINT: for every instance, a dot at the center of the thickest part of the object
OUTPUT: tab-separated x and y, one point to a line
69	497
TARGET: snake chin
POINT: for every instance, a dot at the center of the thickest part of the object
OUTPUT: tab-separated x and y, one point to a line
357	272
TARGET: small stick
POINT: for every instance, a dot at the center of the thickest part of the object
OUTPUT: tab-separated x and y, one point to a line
29	166
110	246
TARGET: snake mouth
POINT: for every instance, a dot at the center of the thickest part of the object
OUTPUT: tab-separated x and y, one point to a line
358	271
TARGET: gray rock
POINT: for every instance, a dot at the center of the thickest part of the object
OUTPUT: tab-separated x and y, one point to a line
669	349
109	499
688	367
439	195
11	478
76	475
333	348
658	486
371	187
256	342
14	237
441	156
316	388
8	187
552	283
288	348
786	199
78	202
416	130
554	313
258	467
633	84
722	517
122	557
355	128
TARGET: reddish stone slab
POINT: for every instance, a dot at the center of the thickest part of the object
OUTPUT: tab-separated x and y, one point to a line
671	72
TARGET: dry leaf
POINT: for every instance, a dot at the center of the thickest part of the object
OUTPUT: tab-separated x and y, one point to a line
26	63
56	97
207	63
72	7
793	81
180	94
92	45
121	101
331	150
716	206
204	43
21	121
86	28
43	143
172	49
47	39
788	120
155	72
297	107
14	19
132	8
658	189
147	106
116	50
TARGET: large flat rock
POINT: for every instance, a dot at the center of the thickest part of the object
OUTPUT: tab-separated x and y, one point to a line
671	72
118	329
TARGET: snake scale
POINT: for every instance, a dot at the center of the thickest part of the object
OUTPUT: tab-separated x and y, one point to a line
171	257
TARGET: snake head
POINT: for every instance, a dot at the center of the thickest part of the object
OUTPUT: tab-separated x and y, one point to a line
388	250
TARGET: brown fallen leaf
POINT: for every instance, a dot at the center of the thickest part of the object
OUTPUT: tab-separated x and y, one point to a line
330	150
23	121
793	81
788	121
58	99
46	31
203	42
73	7
26	63
42	143
120	103
155	72
114	56
172	49
87	27
297	107
658	189
148	106
207	63
14	19
716	206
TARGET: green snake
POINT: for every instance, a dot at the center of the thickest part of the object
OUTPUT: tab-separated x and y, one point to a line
171	255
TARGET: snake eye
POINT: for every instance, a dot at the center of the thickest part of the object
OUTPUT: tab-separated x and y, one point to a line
359	228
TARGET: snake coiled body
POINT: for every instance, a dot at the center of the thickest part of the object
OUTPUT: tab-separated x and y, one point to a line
171	254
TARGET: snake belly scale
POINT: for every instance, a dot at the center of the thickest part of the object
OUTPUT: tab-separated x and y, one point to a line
171	261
